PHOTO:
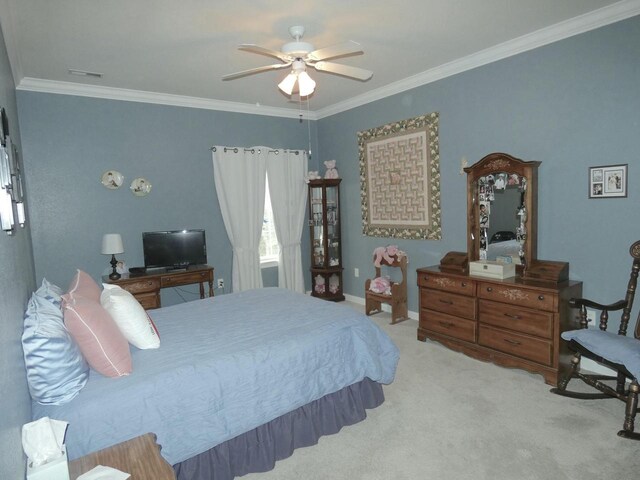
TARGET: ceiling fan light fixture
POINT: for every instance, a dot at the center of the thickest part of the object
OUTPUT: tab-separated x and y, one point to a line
306	84
288	83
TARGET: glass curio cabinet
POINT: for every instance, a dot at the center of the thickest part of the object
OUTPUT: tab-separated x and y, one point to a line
326	243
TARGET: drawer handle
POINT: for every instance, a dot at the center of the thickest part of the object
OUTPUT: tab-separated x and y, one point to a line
464	284
446	324
515	317
447	302
540	297
512	342
489	289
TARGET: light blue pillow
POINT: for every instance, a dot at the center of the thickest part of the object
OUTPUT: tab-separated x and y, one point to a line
613	347
50	292
56	370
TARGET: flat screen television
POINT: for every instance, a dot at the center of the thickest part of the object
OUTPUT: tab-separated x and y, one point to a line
174	249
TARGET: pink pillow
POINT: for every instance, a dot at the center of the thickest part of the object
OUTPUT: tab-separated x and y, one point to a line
100	341
82	284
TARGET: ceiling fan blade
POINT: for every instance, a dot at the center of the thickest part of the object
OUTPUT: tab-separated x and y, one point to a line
244	73
340	50
249	47
345	70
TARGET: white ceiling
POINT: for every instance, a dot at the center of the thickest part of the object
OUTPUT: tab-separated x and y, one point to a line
175	52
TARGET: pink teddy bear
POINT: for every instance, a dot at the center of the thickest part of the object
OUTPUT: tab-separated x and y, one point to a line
381	285
332	171
385	253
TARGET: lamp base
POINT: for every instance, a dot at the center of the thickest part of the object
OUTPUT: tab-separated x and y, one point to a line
114	275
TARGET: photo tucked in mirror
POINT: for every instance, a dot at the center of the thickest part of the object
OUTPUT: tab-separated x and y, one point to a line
502	217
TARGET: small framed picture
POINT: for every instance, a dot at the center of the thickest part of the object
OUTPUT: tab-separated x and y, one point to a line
609	181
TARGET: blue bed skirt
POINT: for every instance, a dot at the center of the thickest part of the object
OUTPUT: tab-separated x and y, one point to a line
259	449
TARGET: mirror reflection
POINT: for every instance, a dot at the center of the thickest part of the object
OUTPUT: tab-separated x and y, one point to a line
502	217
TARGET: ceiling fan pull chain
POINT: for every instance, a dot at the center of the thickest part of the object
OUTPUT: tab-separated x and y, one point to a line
309	126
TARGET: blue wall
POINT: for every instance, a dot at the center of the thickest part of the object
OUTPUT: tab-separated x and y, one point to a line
71	141
16	284
571	105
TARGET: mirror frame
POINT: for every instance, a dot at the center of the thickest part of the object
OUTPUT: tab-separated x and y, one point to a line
492	164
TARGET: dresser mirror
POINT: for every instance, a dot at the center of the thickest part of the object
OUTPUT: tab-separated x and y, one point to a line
502	210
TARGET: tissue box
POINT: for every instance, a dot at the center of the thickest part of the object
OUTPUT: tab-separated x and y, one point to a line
56	469
491	269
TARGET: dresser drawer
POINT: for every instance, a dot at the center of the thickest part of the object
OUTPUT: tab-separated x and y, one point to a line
534	322
148	300
523	346
516	295
448	325
449	303
186	278
141	286
448	284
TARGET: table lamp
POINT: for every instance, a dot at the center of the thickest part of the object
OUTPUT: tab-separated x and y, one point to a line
112	244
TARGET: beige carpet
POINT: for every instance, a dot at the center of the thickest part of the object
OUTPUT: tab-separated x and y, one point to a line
447	416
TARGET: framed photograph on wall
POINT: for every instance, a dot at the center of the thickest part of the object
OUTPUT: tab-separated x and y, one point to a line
608	181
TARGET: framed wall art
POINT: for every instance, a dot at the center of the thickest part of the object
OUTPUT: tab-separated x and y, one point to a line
608	181
400	179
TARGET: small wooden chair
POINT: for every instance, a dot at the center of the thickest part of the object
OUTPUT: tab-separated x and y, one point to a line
616	351
398	297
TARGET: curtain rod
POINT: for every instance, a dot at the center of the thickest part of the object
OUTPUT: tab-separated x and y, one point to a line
253	150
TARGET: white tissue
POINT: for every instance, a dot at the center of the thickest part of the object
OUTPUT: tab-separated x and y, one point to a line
104	473
42	440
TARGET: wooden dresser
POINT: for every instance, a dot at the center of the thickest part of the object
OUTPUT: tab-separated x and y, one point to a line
146	286
512	322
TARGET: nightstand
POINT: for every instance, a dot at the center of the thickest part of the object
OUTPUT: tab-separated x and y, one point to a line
139	457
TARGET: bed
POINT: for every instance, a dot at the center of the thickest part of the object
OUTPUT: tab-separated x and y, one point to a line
507	248
239	381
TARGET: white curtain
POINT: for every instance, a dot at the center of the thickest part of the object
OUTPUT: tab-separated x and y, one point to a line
239	175
286	170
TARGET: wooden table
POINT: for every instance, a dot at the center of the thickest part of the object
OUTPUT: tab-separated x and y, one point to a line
146	286
139	457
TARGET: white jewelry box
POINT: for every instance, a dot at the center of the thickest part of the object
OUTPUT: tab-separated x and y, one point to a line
492	269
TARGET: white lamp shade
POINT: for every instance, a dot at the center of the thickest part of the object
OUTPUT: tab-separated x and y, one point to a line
306	84
287	84
111	244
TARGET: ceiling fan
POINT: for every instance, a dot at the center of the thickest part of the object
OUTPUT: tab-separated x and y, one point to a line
299	55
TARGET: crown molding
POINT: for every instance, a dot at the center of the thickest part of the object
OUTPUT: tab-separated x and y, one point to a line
577	25
110	93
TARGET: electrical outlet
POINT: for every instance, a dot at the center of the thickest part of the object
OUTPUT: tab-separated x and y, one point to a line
356	272
221	283
591	316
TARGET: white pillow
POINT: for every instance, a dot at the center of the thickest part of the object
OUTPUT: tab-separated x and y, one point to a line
131	318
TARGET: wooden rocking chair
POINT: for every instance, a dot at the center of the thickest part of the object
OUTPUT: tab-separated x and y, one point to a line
615	351
398	297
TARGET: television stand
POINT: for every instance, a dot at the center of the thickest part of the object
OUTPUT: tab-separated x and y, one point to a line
146	287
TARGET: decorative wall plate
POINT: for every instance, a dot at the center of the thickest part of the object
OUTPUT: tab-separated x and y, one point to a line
140	187
112	179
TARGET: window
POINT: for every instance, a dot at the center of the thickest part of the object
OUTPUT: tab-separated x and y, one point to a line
269	249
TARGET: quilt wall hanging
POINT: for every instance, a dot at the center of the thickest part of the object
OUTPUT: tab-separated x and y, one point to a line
400	179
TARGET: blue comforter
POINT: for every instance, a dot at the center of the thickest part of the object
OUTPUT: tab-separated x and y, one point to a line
225	366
